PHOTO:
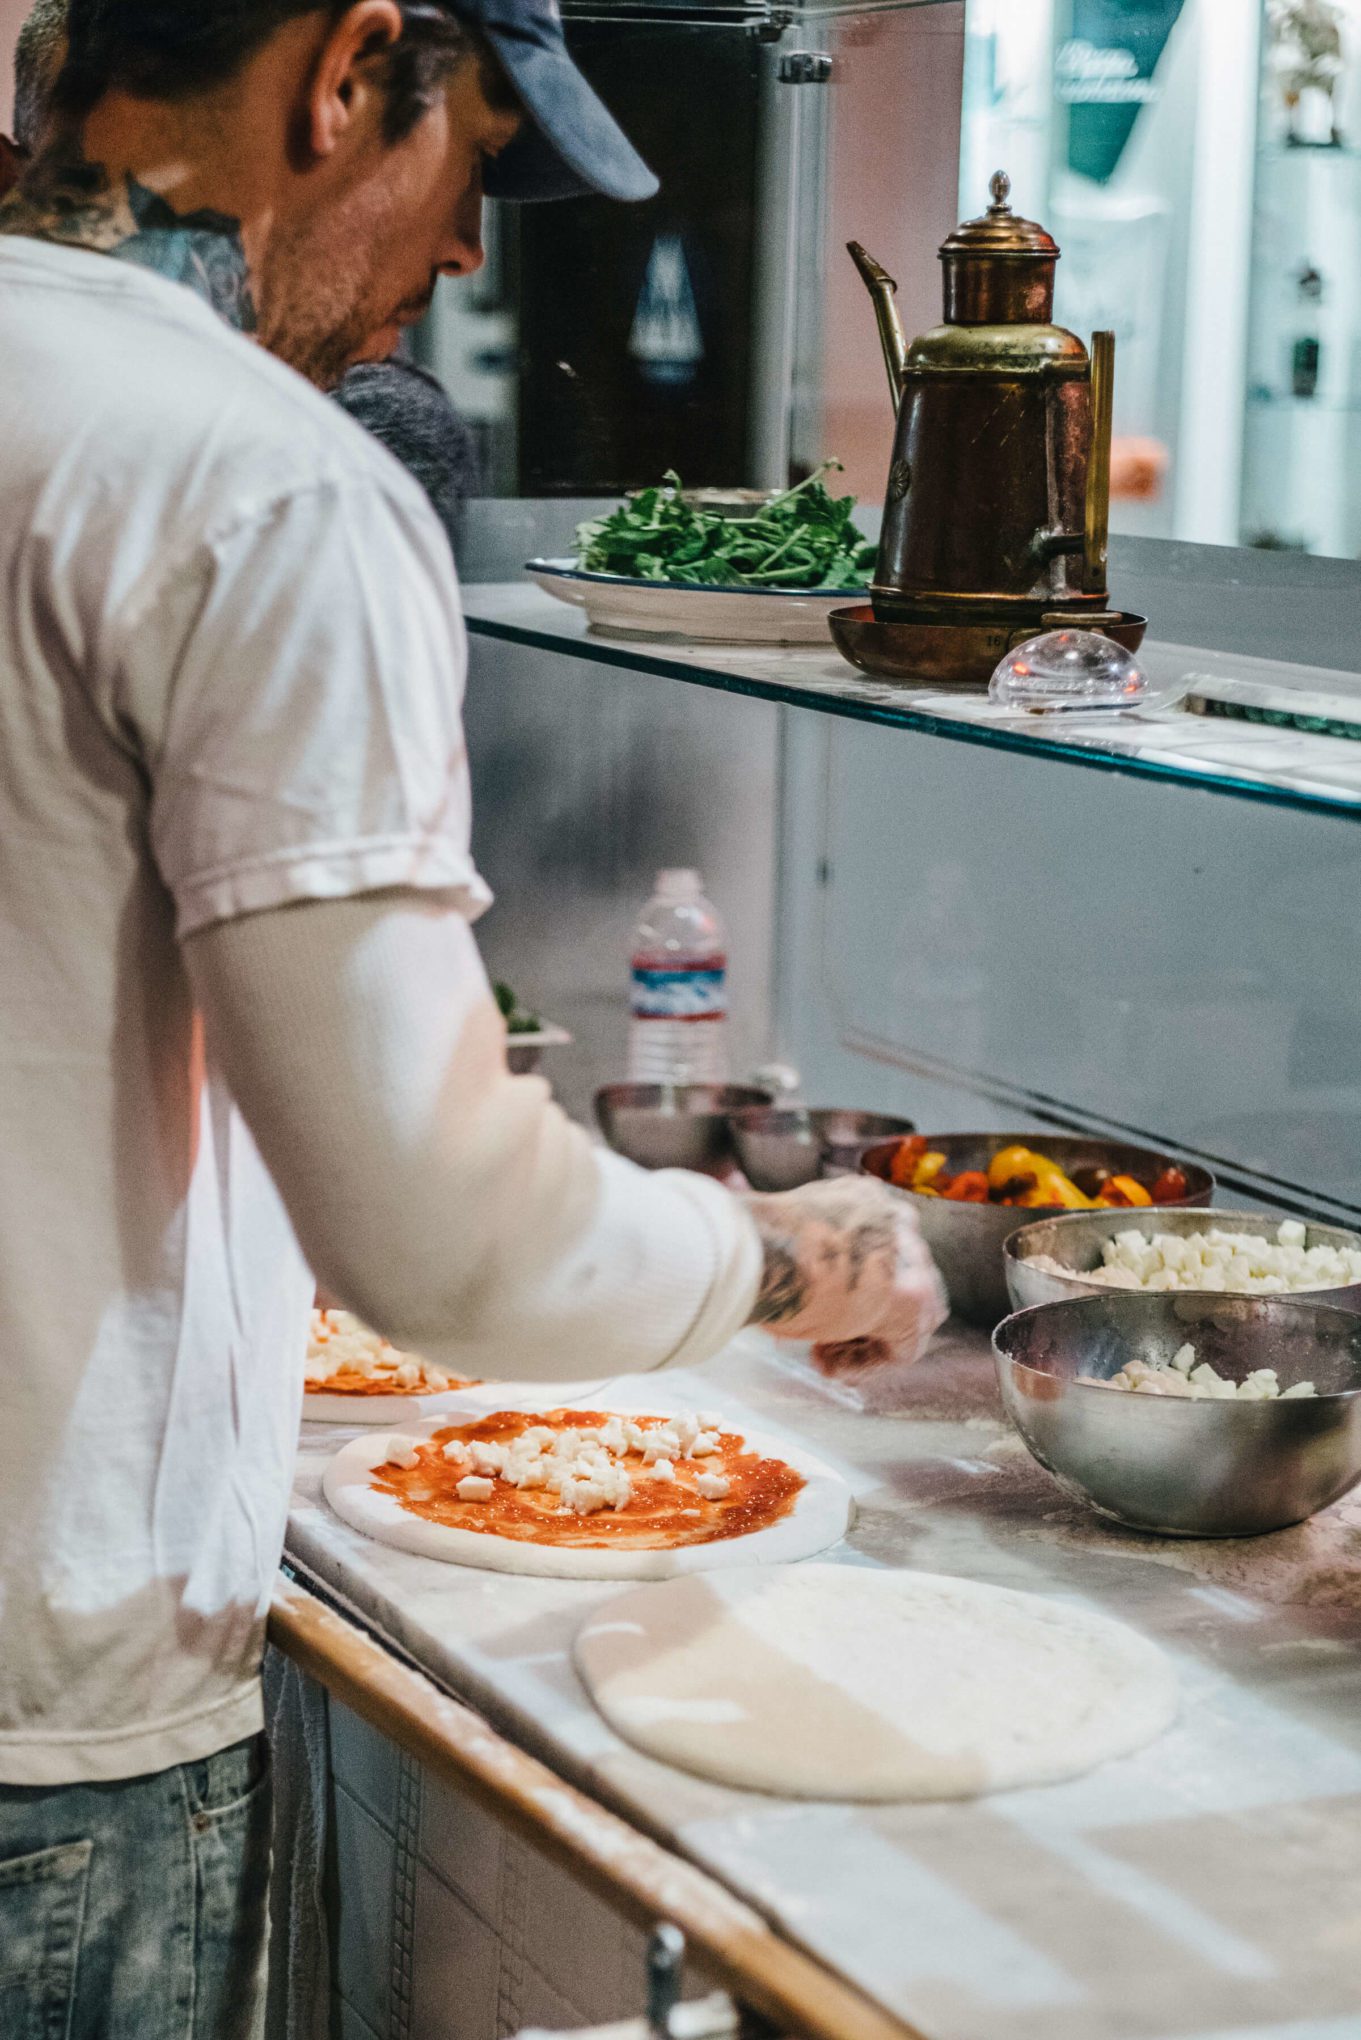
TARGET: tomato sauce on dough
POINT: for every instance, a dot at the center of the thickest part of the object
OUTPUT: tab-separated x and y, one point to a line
349	1381
661	1514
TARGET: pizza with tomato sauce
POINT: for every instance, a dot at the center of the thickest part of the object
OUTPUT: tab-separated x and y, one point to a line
355	1376
590	1494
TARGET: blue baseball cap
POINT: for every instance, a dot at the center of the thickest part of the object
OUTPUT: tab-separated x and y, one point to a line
570	142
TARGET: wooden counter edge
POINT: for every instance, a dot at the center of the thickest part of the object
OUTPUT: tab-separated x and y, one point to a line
634	1874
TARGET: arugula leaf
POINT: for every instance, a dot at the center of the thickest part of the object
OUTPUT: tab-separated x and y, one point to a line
517	1020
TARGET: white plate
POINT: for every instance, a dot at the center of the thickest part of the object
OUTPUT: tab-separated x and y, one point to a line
618	607
821	1514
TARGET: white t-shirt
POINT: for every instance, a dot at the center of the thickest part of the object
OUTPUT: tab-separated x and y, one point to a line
231	666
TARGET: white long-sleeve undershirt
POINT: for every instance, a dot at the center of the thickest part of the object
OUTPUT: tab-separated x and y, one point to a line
452	1206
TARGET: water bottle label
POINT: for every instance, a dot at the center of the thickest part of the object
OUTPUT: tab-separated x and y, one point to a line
679	994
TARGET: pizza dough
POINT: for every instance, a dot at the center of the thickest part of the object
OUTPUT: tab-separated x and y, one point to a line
340	1346
846	1682
326	1407
820	1515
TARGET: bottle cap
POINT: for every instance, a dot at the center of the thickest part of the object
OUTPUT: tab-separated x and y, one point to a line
679	885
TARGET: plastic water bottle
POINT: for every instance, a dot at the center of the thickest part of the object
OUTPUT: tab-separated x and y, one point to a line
679	998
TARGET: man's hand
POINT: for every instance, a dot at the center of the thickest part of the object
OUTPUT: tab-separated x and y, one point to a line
847	1269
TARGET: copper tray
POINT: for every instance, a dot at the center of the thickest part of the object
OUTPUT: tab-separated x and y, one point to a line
955	654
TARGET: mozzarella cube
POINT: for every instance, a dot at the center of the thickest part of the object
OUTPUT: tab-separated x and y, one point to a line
713	1486
475	1487
583	1497
401	1452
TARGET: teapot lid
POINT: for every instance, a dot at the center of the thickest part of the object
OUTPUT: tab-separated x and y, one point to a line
1000	231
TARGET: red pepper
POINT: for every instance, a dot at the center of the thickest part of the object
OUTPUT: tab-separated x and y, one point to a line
1170	1187
903	1164
969	1187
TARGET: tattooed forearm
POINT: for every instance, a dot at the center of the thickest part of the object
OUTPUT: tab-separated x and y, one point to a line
66	199
824	1238
846	1270
784	1289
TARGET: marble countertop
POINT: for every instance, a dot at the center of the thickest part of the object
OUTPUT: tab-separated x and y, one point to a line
1207	1888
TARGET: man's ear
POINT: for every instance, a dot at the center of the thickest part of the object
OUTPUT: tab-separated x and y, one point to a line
344	89
12	162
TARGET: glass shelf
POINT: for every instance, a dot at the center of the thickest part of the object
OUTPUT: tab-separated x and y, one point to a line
1243	760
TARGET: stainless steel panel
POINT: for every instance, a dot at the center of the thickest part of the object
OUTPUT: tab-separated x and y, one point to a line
586	781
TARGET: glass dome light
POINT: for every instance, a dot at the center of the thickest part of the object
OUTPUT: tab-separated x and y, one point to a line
1068	669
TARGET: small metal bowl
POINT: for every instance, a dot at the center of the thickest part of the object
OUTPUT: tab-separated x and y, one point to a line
524	1052
674	1126
781	1147
1181	1468
1077	1238
967	1239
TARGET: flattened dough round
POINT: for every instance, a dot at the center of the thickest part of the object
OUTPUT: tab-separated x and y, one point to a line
322	1406
820	1516
325	1407
846	1682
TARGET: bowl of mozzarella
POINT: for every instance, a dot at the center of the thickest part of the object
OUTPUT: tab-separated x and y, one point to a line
1233	1253
1187	1412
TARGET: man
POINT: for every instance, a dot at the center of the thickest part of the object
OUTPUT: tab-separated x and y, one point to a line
235	892
405	409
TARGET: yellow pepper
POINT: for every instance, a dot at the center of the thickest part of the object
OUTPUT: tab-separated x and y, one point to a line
1051	1186
928	1168
1123	1190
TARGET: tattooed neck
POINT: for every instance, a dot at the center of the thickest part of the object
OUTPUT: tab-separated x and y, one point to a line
66	199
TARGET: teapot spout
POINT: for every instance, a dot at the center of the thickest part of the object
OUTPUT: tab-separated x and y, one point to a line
883	289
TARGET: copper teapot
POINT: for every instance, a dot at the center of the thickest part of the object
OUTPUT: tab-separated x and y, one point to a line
998	501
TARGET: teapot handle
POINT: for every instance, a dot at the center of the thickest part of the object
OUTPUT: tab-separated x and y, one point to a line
1097	520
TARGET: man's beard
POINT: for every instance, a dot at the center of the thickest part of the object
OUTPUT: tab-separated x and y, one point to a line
318	311
315	345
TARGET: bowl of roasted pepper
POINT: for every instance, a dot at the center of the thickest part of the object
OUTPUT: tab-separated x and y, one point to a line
969	1190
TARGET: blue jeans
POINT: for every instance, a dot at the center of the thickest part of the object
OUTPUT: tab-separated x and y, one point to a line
137	1910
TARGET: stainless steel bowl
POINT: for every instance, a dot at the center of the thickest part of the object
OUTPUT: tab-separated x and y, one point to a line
781	1147
1077	1238
1188	1469
967	1239
674	1126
